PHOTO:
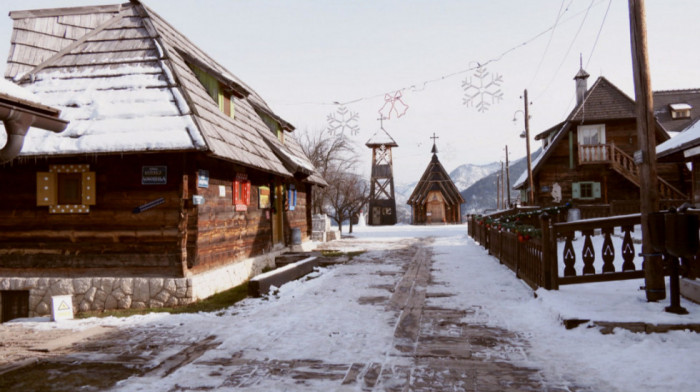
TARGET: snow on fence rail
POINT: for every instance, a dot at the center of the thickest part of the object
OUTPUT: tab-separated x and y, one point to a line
604	251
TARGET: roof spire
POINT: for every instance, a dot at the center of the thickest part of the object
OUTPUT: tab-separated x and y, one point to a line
581	81
434	150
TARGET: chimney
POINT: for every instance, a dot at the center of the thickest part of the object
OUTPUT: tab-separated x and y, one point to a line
581	84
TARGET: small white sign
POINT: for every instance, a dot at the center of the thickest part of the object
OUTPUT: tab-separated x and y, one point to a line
61	307
222	191
197	200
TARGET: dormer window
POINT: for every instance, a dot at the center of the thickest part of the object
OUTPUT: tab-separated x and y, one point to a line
216	91
680	110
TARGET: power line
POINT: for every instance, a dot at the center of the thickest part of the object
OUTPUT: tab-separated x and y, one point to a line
600	29
568	50
423	84
546	49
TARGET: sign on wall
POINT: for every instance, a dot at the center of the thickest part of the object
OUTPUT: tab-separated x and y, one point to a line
264	197
154	175
203	179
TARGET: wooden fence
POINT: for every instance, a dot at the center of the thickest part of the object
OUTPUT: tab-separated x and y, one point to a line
537	261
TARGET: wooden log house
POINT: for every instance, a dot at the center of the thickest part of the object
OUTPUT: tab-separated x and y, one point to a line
680	110
435	199
174	179
588	159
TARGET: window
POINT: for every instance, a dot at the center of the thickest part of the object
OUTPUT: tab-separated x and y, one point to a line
216	91
680	110
241	192
66	189
591	134
591	139
291	202
586	190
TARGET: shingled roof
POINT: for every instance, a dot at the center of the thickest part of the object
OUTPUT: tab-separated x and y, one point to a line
662	111
435	178
122	76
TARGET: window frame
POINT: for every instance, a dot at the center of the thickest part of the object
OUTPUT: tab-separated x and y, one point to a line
577	190
49	184
241	192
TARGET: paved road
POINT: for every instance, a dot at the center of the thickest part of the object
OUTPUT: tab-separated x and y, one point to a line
432	348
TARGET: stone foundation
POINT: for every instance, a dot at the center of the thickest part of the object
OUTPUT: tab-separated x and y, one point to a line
101	293
134	292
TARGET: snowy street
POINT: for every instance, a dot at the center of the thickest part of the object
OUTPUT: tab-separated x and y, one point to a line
423	309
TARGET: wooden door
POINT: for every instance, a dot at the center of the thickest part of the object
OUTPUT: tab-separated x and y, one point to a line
376	215
278	216
15	304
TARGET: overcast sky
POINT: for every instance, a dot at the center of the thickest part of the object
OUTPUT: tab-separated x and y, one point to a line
302	56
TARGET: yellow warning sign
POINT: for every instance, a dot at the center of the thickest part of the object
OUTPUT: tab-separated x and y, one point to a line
61	307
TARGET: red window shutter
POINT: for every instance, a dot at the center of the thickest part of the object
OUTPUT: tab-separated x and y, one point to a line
246	192
236	196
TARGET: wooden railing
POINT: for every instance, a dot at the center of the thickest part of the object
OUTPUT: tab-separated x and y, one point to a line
624	164
604	227
538	260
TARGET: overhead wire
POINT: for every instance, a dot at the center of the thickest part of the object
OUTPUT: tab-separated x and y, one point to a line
568	50
549	42
423	84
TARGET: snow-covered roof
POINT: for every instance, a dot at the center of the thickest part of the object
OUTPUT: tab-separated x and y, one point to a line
689	138
12	90
122	76
680	106
381	137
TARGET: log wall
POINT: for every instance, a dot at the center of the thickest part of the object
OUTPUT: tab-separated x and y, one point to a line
110	235
175	238
614	187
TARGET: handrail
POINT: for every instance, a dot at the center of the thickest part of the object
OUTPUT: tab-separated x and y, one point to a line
624	164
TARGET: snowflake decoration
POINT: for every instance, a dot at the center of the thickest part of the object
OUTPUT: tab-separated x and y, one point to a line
343	120
478	88
393	103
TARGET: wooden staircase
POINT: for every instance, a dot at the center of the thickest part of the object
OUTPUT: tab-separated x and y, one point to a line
624	164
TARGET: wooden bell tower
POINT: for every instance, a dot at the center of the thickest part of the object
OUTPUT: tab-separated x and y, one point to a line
382	204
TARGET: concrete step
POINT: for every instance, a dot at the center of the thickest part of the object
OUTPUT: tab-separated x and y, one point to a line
260	285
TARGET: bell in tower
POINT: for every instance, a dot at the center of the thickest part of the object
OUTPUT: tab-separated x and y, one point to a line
382	204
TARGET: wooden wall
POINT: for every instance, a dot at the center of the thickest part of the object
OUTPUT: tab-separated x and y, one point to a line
623	134
218	234
167	239
110	235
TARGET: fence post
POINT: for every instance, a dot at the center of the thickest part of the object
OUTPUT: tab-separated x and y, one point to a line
546	252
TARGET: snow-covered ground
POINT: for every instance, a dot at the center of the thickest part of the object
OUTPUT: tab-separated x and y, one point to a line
324	319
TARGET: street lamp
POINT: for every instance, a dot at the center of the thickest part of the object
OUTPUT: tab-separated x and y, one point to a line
526	135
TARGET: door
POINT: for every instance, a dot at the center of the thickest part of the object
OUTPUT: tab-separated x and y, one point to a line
278	216
376	215
435	208
15	304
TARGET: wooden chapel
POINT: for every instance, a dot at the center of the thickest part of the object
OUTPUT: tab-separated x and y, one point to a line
435	198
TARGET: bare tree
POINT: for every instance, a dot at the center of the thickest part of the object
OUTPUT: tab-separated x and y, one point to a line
330	154
347	194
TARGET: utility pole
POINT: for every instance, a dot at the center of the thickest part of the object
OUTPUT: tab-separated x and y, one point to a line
531	200
503	188
507	177
645	157
498	191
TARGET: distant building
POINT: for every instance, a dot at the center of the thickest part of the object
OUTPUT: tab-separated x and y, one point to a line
435	198
382	200
173	181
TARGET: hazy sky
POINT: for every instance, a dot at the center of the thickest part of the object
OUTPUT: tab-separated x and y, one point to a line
302	56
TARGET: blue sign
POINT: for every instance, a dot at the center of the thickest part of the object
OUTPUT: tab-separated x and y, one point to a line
203	179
